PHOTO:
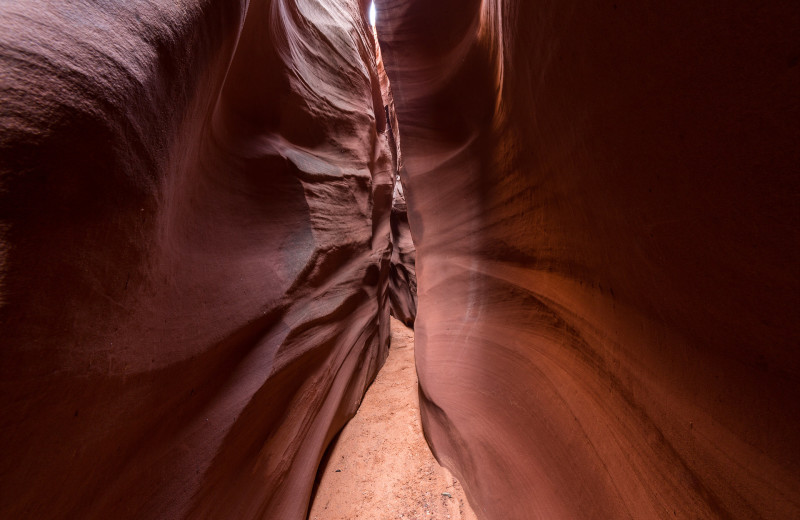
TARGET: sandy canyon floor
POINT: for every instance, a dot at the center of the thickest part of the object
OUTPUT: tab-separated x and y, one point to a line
381	468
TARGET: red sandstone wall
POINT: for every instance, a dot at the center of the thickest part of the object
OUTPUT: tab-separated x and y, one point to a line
194	252
603	197
403	275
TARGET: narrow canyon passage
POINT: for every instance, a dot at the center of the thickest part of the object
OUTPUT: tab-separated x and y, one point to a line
206	215
381	466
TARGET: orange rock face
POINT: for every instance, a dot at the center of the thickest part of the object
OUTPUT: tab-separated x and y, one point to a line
403	276
603	198
194	252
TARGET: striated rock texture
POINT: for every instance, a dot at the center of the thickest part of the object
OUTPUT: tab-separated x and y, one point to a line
603	197
194	252
403	276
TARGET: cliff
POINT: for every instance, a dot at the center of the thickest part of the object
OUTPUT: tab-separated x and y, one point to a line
603	198
195	247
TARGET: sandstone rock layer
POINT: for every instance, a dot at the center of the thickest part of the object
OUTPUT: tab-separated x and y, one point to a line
603	198
403	275
194	252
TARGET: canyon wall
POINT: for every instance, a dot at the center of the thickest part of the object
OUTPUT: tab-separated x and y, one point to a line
194	252
403	275
604	201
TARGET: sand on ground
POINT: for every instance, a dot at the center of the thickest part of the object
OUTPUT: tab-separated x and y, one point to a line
381	468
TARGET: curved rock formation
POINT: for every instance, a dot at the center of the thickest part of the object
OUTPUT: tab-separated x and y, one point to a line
403	277
194	252
603	197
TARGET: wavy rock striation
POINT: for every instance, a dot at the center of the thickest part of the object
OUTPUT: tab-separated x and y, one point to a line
403	276
194	252
603	198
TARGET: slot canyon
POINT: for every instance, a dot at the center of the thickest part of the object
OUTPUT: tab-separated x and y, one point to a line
589	213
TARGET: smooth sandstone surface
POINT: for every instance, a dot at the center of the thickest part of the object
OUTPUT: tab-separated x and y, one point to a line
194	252
403	274
604	202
